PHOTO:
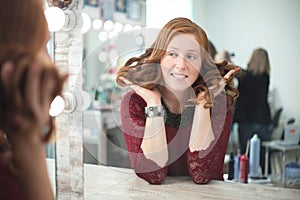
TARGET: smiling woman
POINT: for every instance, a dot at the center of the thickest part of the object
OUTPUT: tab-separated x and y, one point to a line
191	98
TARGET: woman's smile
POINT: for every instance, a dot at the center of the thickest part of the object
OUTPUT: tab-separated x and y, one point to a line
178	76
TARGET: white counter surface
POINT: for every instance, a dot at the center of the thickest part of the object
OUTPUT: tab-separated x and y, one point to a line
102	182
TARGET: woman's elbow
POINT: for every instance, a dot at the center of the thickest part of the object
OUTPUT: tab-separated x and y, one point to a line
200	180
153	178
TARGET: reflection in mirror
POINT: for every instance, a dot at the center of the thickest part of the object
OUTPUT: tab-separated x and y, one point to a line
63	4
114	34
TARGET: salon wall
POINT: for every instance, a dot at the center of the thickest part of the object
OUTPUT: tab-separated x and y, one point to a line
241	26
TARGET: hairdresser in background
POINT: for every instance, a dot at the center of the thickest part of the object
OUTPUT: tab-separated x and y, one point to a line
252	111
29	81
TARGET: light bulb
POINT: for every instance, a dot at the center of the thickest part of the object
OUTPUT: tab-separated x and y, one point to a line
102	36
118	27
102	57
57	106
87	23
128	28
97	24
55	18
68	103
108	25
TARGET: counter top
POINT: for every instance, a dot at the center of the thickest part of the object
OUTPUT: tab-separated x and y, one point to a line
103	182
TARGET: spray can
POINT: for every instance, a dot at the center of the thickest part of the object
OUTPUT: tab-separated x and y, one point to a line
243	173
254	156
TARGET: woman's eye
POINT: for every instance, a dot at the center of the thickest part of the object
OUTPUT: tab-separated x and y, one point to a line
171	54
191	57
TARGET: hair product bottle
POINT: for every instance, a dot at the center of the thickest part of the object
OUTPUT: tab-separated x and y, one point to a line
243	174
254	156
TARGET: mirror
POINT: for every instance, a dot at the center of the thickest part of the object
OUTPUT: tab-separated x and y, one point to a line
97	72
112	24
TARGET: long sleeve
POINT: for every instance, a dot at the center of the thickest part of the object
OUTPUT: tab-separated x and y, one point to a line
210	167
10	187
133	124
181	161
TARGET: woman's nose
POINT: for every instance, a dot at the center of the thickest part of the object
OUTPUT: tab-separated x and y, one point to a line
180	62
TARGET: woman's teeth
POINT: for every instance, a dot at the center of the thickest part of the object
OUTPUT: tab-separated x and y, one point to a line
178	75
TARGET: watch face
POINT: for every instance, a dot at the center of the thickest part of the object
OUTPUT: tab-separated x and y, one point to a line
154	111
151	113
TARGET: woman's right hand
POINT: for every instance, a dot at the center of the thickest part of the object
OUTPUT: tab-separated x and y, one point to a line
152	97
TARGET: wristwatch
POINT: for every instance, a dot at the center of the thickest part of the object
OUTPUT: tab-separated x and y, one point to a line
154	111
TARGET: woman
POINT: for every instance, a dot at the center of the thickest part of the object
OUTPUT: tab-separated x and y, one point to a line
252	111
177	119
29	81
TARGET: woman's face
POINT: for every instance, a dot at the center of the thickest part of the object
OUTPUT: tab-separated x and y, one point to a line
181	64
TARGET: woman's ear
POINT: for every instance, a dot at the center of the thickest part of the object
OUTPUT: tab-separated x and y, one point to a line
6	72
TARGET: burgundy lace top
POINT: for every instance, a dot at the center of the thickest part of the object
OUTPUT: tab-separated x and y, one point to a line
202	166
9	184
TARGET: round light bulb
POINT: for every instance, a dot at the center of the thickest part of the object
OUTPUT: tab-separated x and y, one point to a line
97	24
102	57
55	18
57	106
128	28
102	36
108	25
118	27
87	23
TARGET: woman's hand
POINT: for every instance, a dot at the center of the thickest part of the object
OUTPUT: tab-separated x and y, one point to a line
223	82
152	97
27	120
24	126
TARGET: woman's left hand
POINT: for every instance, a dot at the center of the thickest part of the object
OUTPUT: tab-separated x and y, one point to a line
223	82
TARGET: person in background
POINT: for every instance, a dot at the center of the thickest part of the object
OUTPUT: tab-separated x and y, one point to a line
29	82
177	119
212	49
252	111
220	56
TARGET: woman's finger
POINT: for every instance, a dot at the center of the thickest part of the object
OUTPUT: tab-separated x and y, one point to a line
132	86
32	88
47	89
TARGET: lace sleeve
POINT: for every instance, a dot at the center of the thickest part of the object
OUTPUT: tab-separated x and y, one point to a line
133	125
210	166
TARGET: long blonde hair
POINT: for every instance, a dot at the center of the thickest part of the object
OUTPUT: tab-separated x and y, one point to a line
145	70
259	62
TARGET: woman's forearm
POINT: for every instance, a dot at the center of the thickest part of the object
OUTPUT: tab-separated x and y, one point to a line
154	144
201	133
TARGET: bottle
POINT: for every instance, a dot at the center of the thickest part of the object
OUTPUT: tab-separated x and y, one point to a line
254	156
236	165
243	173
231	167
